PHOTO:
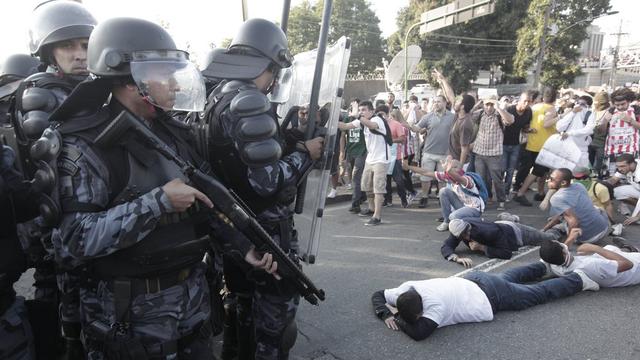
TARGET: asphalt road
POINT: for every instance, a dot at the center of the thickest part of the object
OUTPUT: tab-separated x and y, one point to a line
356	260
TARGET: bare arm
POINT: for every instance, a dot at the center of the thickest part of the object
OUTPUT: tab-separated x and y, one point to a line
368	123
550	118
464	153
446	87
346	126
505	116
553	222
624	264
604	122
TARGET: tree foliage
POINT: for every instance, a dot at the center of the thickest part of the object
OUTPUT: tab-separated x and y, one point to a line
461	59
352	18
571	19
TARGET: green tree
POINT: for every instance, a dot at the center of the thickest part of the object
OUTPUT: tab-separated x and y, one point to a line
570	18
352	18
455	49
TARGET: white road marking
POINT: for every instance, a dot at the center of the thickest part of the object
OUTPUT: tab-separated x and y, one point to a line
377	238
496	263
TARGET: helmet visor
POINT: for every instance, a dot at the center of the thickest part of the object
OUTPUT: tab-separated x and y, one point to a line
282	86
169	80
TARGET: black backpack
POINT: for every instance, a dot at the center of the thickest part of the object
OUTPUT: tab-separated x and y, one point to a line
387	137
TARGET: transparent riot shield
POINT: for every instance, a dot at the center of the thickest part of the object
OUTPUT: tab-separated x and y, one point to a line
336	61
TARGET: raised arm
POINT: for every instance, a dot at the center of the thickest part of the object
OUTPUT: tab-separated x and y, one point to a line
446	87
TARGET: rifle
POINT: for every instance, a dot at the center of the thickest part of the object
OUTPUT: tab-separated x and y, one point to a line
227	205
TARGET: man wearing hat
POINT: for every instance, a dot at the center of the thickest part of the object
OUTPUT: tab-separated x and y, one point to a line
488	144
495	239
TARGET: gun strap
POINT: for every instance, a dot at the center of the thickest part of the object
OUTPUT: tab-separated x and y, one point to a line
122	299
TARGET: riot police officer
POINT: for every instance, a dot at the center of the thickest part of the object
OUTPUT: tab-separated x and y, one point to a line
16	204
247	151
58	36
129	222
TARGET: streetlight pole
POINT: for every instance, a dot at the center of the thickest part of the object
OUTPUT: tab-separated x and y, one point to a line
406	58
543	39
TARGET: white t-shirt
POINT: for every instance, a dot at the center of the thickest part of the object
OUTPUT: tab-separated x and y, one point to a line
447	301
632	178
472	201
377	149
604	271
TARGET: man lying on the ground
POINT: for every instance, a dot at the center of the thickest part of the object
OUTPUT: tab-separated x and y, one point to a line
423	306
608	266
495	239
572	209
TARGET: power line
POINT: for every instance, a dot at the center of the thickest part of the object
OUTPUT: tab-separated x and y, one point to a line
471	38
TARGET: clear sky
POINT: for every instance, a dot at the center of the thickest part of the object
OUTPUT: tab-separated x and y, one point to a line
201	22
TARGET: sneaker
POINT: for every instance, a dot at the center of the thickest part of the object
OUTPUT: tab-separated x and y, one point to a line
522	200
332	194
405	204
411	197
539	197
505	216
587	283
354	209
387	204
443	227
441	219
367	212
616	230
501	206
373	222
623	244
349	186
423	203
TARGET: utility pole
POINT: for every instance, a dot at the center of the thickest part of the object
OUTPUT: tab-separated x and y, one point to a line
543	44
616	55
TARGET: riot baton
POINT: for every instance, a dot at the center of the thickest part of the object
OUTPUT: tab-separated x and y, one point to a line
226	205
315	93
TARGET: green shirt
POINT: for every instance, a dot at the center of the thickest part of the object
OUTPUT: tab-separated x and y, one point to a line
355	145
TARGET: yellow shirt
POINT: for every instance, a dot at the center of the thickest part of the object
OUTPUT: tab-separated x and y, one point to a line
537	139
599	196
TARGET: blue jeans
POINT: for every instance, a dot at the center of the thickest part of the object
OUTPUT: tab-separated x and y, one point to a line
510	156
453	208
506	291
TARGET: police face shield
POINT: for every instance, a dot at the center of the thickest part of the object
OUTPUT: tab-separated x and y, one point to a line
169	80
281	88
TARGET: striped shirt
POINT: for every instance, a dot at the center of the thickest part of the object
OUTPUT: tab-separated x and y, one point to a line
623	137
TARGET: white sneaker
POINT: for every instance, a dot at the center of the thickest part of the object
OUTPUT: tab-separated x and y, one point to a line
443	227
332	194
505	216
616	230
349	186
587	283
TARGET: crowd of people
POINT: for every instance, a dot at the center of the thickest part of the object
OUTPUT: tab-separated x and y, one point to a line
477	153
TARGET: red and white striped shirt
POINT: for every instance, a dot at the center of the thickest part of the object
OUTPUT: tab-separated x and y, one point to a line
623	137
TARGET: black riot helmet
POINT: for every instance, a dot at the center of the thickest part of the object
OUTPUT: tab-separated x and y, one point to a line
56	21
16	67
258	44
144	51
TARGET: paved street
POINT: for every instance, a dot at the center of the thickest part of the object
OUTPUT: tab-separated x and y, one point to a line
356	260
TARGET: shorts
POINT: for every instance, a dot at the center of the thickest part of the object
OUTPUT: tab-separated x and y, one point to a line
431	162
374	178
529	157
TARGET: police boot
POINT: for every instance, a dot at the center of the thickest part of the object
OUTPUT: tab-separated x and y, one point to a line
73	349
229	337
245	330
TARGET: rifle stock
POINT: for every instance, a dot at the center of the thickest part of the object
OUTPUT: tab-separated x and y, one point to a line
224	200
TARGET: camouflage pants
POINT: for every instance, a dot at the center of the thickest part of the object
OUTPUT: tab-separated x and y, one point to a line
16	339
272	313
155	319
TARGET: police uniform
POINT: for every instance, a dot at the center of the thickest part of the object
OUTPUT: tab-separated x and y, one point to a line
247	151
143	293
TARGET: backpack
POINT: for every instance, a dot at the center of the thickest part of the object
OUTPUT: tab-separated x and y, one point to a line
387	137
482	188
605	184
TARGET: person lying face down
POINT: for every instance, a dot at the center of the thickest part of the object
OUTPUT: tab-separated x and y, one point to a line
494	239
423	306
609	266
